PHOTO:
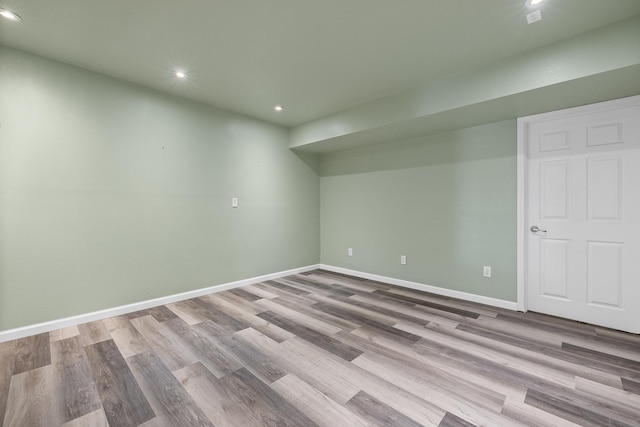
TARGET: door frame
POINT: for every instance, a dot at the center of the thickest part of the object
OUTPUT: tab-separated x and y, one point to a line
522	164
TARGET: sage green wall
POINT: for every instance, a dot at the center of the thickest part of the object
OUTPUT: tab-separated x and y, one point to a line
599	65
447	202
112	193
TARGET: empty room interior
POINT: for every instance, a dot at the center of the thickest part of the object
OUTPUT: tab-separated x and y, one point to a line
319	213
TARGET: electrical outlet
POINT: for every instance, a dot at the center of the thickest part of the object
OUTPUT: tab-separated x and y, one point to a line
486	271
403	259
350	251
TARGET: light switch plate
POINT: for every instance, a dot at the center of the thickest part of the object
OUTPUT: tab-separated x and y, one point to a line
486	271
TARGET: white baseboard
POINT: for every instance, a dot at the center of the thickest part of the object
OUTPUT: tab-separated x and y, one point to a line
509	305
39	328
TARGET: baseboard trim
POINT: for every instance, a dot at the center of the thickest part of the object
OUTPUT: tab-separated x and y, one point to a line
495	302
25	331
39	328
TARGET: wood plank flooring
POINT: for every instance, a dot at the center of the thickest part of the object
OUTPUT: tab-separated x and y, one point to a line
322	349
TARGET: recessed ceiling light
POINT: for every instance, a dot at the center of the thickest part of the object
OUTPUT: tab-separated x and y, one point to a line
11	16
278	108
532	3
181	74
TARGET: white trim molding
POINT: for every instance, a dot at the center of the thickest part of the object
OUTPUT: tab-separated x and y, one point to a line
495	302
521	215
39	328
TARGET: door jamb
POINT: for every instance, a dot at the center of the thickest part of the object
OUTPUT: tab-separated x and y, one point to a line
521	220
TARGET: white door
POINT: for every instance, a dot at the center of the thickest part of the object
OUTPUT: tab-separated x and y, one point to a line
583	194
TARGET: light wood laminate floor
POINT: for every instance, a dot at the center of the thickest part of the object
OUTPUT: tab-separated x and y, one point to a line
322	349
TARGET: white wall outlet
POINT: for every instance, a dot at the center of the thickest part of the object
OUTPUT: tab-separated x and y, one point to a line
486	271
350	251
234	202
403	259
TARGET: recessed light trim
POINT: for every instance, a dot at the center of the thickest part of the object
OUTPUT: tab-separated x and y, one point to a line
533	3
278	108
11	16
181	74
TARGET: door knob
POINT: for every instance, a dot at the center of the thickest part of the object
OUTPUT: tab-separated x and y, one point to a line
536	229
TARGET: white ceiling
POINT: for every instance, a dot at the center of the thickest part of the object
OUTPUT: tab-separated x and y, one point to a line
314	57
